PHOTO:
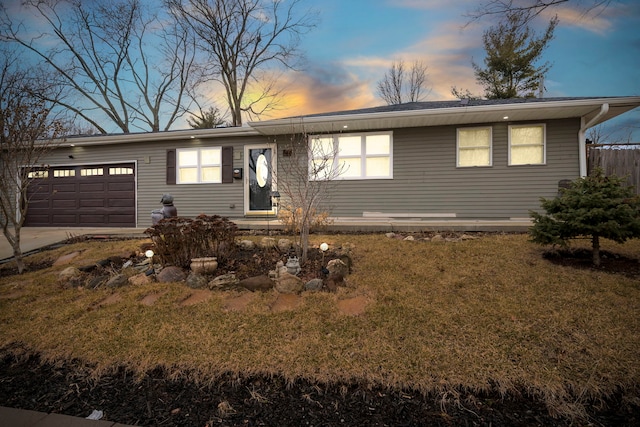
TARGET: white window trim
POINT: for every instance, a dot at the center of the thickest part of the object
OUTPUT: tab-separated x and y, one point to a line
544	143
490	147
363	156
199	165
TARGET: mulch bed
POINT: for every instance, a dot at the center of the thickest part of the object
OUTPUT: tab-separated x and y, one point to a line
155	400
581	258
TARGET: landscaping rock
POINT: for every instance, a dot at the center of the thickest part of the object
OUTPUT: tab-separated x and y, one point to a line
65	259
313	285
247	245
287	283
284	245
171	274
452	239
117	281
409	238
437	238
197	281
268	242
257	283
139	279
68	274
468	237
224	281
390	235
339	267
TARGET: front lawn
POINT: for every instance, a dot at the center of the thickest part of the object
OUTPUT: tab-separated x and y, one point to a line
441	318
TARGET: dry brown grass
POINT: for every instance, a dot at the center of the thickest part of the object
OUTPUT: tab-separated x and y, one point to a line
442	318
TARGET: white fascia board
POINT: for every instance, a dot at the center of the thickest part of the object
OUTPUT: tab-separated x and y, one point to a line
176	135
334	122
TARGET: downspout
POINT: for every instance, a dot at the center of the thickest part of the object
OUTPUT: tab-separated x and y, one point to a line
582	147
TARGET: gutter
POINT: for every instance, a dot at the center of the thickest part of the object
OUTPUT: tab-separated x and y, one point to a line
582	145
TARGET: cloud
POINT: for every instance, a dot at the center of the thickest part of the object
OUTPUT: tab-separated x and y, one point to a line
322	88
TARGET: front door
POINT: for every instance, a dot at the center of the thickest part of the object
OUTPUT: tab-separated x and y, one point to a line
260	164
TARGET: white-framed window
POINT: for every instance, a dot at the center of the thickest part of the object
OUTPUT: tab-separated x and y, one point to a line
527	144
351	156
63	173
199	165
38	174
474	147
120	171
91	172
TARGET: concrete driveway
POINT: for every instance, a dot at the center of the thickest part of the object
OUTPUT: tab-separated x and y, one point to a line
32	238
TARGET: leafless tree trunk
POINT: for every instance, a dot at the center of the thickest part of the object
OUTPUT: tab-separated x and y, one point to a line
305	178
531	8
28	132
120	63
244	39
396	88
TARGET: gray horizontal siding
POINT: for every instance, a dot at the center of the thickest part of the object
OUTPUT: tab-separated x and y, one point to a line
190	199
426	179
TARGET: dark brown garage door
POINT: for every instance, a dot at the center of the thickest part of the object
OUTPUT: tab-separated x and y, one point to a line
83	196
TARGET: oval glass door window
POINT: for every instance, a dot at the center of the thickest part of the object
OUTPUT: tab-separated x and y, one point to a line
262	170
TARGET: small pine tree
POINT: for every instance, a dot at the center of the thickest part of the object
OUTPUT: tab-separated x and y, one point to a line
595	206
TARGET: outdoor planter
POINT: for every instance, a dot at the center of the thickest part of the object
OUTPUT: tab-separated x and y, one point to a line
204	265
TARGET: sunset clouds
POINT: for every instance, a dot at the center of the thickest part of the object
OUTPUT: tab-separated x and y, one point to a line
353	50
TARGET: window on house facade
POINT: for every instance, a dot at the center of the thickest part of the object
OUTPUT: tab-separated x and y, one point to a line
91	172
38	174
120	171
63	173
351	156
527	144
474	147
199	165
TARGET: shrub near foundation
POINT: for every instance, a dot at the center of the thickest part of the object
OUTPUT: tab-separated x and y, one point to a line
179	240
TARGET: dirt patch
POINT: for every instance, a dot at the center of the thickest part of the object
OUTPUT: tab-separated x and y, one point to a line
582	258
66	259
196	297
12	295
353	306
238	303
151	299
286	302
111	299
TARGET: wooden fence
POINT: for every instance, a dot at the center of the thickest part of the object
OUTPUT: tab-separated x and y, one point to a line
620	160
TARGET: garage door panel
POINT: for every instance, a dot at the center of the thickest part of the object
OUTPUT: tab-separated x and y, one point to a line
88	187
63	204
92	203
96	201
64	188
121	218
121	203
64	219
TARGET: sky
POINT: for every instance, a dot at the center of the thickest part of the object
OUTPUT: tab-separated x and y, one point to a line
356	41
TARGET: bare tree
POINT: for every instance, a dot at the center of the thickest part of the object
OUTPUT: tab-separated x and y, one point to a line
119	62
601	134
532	8
244	39
28	133
305	178
397	88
